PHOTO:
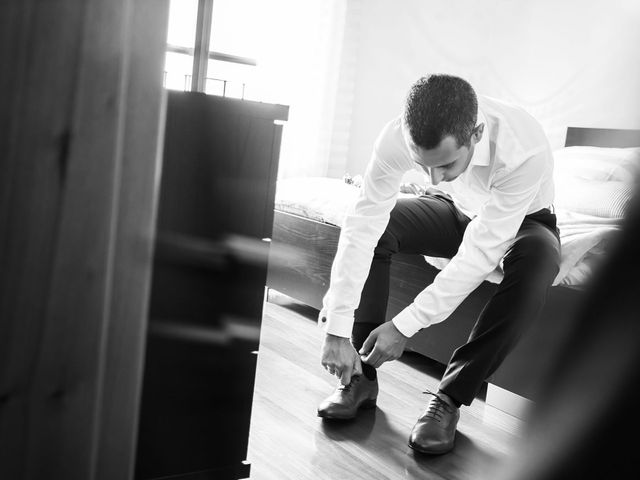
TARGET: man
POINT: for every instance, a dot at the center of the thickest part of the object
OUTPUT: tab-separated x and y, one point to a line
493	167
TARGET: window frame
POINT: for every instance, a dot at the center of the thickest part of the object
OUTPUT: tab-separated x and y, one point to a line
200	51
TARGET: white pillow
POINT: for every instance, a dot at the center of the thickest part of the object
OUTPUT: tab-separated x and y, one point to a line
591	197
601	164
595	180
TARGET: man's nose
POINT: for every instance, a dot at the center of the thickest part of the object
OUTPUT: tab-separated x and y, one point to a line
436	176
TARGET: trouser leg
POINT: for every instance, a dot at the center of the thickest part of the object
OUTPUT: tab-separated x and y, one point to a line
428	225
530	266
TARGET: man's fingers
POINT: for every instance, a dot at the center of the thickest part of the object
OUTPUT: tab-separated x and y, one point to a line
357	367
372	357
345	378
368	344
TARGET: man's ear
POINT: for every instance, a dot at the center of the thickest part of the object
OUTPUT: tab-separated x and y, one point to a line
477	133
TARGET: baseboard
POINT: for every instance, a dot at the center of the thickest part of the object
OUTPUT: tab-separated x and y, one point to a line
508	402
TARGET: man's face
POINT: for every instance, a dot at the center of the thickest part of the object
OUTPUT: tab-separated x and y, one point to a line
447	161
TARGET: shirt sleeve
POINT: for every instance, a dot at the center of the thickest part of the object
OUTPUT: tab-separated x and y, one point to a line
360	232
485	242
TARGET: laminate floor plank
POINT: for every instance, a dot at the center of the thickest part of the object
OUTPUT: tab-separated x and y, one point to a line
288	441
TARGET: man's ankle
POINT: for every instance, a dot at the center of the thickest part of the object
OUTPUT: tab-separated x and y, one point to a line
452	402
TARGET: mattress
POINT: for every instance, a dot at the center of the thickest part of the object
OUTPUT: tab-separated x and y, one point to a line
584	238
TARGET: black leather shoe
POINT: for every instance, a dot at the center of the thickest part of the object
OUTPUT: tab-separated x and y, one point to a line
435	430
344	403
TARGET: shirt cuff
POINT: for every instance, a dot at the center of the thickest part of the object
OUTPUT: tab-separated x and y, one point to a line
408	323
338	325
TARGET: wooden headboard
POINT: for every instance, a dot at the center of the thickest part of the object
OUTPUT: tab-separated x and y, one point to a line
602	137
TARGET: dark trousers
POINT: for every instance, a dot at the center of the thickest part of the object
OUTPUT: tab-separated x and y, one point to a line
432	225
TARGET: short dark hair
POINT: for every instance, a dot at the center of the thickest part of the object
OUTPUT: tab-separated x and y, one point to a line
438	106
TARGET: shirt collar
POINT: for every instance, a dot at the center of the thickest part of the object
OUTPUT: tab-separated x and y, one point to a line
481	151
406	136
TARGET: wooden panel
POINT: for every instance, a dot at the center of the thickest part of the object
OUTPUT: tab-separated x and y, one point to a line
221	149
602	137
217	192
302	252
197	404
272	181
34	138
133	245
77	230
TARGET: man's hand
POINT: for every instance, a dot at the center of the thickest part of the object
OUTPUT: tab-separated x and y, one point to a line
340	358
383	344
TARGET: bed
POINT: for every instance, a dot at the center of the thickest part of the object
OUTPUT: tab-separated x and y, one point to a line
594	176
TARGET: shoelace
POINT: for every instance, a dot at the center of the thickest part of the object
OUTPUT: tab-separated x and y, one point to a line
346	388
436	406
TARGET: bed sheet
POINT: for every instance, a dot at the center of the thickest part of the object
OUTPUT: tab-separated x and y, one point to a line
584	238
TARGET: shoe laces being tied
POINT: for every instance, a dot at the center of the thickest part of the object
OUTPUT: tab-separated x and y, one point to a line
437	406
345	388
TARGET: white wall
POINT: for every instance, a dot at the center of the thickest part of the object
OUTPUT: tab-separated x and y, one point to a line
568	62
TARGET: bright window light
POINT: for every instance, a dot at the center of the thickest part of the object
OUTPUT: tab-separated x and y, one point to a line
276	51
238	26
178	69
182	23
231	77
286	39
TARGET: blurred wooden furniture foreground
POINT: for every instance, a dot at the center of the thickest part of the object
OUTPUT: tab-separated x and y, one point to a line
80	122
217	195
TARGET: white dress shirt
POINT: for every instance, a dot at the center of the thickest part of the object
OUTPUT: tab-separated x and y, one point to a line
508	177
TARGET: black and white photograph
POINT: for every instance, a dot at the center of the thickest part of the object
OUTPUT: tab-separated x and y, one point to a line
319	239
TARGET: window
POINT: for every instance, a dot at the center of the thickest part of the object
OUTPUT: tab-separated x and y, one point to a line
213	46
277	51
181	38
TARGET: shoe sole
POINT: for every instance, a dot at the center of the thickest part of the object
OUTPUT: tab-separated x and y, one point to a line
417	448
367	404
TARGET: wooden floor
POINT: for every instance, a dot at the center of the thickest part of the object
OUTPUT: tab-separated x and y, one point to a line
288	440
